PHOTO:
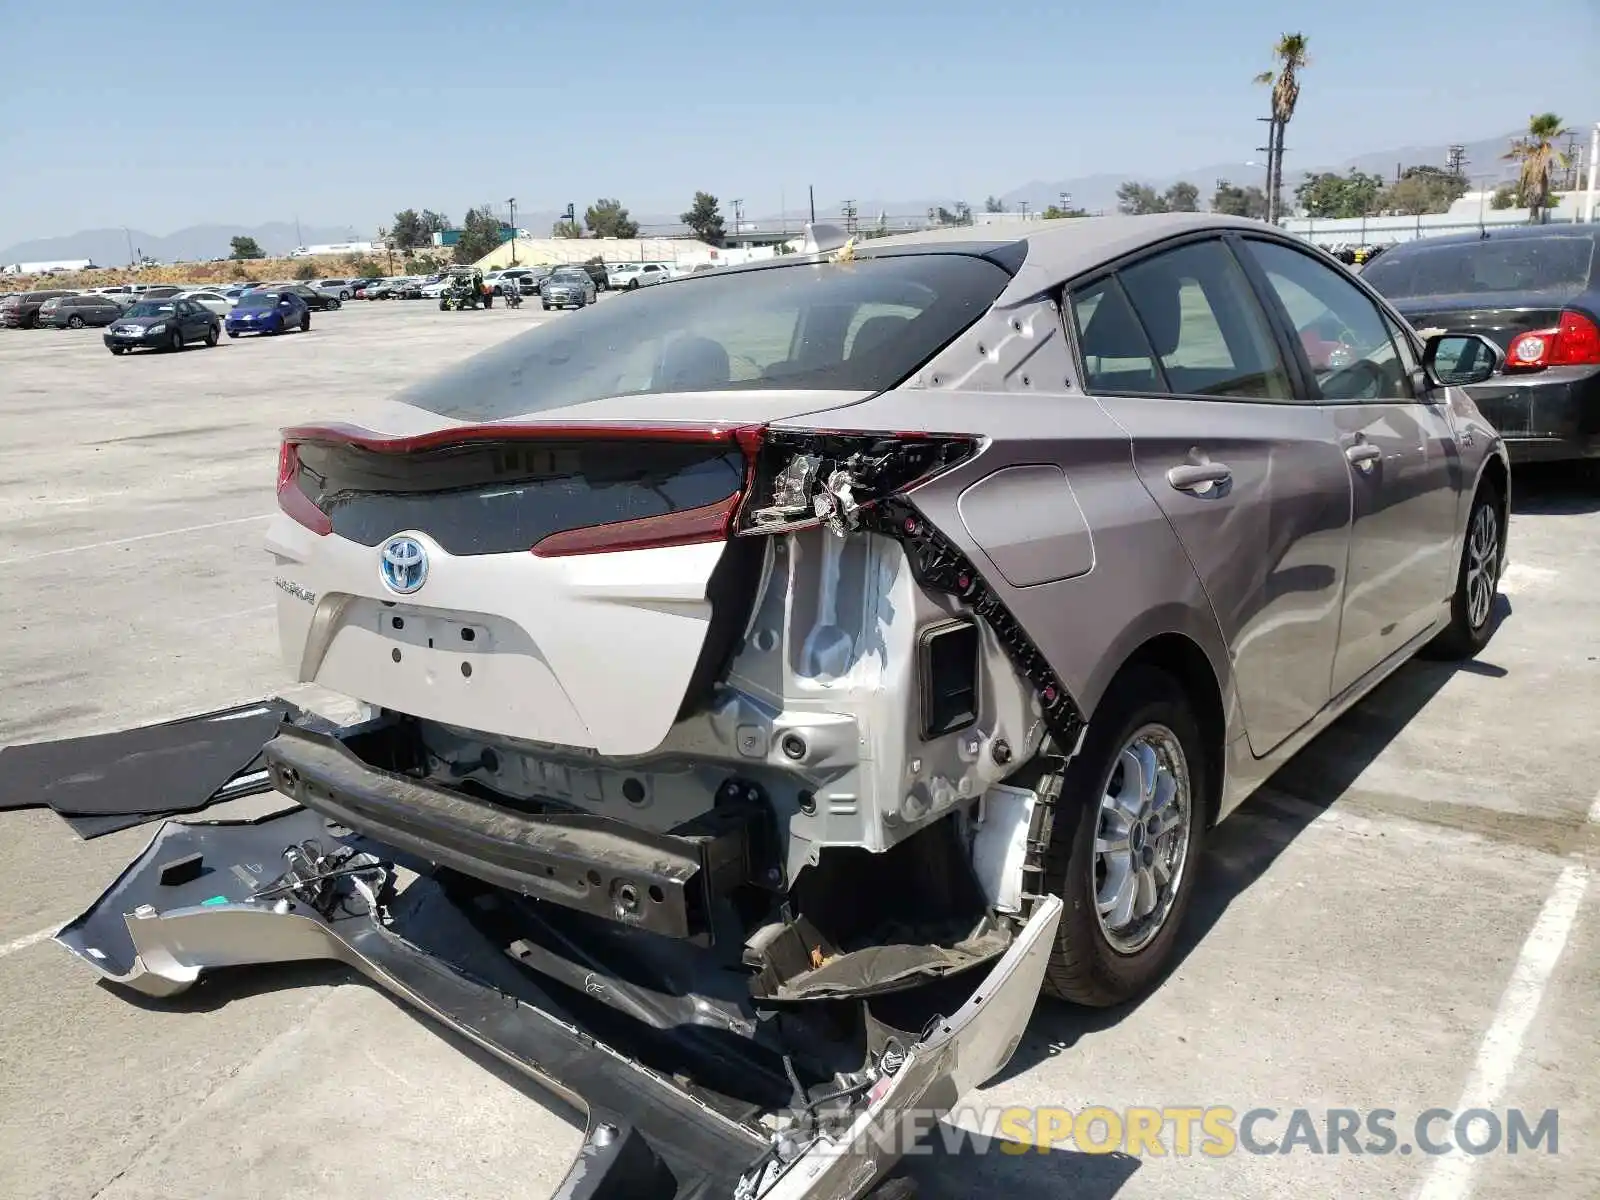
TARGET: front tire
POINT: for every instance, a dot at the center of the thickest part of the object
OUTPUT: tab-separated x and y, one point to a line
177	341
1125	847
1477	580
305	323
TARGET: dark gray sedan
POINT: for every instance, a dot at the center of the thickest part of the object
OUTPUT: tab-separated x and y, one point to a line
567	287
163	325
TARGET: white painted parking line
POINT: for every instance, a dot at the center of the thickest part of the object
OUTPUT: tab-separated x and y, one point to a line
1520	577
1451	1175
31	939
139	537
1594	810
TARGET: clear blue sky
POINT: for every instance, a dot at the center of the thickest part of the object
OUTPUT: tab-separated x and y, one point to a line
245	111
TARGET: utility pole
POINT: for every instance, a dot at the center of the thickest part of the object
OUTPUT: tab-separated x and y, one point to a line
1456	160
812	193
1273	152
848	211
738	216
513	203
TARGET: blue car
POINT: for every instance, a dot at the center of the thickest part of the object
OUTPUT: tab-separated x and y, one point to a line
268	311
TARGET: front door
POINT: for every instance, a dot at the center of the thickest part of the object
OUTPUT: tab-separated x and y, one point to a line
1403	459
1250	476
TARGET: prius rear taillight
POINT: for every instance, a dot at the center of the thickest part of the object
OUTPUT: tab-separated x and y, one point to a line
292	499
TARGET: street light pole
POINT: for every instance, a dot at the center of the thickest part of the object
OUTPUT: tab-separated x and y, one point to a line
513	203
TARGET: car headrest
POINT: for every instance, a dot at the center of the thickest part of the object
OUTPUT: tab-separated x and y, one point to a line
875	332
692	364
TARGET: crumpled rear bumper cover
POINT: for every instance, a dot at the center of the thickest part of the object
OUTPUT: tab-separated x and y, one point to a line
169	918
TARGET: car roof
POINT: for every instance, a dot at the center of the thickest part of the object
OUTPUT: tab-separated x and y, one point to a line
1498	233
1049	251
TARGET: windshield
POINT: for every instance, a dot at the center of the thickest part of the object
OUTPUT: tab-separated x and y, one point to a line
258	300
1515	264
862	326
150	308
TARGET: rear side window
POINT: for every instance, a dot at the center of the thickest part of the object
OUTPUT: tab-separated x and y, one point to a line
1556	264
1201	320
803	326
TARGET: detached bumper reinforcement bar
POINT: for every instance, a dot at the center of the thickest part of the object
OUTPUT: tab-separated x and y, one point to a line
202	896
661	882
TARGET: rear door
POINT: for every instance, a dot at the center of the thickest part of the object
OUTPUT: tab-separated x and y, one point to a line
1248	472
1405	466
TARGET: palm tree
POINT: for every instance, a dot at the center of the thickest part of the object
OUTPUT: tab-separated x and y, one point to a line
1536	151
1285	84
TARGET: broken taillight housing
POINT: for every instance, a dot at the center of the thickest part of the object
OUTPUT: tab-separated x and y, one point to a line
291	498
802	480
1575	342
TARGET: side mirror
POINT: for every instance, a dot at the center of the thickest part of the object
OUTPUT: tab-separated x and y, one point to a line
1458	359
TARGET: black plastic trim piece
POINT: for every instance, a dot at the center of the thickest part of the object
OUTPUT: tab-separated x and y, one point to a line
937	563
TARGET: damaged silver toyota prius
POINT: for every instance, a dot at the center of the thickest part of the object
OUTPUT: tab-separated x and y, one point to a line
781	676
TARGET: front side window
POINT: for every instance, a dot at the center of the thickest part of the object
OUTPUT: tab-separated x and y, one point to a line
796	326
1342	332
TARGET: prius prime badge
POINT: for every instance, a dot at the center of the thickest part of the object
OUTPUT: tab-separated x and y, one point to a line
403	565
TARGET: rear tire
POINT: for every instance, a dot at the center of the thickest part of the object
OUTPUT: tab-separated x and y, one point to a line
233	333
211	337
74	322
335	304
1134	805
343	296
1483	558
119	351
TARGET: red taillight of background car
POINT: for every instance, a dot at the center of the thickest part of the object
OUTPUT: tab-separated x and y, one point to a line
1575	342
293	500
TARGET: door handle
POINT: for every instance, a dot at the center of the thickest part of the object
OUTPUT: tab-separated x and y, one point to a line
1363	455
1198	478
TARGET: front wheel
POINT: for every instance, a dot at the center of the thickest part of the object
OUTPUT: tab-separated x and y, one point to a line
305	323
177	340
1126	841
1477	580
118	350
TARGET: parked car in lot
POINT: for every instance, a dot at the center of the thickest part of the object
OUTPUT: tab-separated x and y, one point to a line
209	300
1534	291
269	312
162	323
434	288
309	296
567	287
630	277
74	312
338	289
21	311
1186	491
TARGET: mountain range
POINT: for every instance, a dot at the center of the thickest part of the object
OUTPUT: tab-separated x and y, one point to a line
1093	192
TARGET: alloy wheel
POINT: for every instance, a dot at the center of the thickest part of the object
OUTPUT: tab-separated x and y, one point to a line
1483	560
1141	845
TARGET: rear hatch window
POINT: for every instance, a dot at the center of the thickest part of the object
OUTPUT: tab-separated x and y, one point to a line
862	327
1558	266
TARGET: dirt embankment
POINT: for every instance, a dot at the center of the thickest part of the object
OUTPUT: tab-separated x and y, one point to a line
217	273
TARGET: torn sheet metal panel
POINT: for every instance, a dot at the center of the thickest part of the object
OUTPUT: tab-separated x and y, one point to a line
185	906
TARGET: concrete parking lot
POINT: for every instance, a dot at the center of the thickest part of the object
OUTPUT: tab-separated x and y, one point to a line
1403	920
